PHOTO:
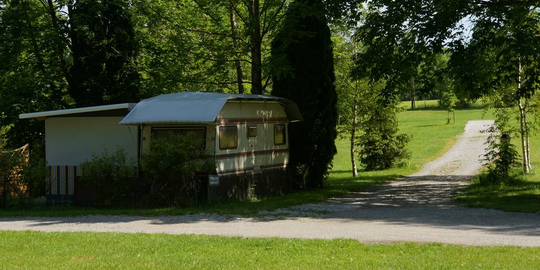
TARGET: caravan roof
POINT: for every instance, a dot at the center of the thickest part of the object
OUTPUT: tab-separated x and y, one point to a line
184	107
196	107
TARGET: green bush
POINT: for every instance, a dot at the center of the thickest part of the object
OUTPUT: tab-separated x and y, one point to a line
36	176
380	145
500	158
171	167
112	178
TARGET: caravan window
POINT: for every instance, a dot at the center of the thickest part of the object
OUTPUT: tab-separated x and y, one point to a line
228	137
279	134
252	131
169	132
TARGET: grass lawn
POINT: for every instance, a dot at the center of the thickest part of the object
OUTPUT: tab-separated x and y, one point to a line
37	250
431	138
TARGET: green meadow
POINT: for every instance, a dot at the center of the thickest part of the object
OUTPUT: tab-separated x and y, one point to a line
38	250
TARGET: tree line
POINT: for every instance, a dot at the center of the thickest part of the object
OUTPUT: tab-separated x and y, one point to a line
57	54
464	49
65	53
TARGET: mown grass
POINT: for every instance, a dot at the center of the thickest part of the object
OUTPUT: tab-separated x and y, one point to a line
38	250
431	137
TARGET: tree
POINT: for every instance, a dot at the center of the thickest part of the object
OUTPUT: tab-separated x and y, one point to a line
31	77
380	145
304	47
217	44
504	38
500	154
391	54
347	89
448	102
501	61
187	45
58	54
259	19
104	53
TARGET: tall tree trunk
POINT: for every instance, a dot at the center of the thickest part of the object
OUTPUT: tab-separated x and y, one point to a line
524	136
353	136
528	147
256	44
523	125
36	49
239	73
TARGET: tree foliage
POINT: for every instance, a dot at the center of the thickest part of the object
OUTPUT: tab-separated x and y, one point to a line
380	147
501	60
448	102
348	90
56	54
501	154
103	51
30	75
303	46
112	177
170	169
494	45
217	45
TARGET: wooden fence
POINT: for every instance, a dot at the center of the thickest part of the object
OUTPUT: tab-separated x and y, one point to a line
12	164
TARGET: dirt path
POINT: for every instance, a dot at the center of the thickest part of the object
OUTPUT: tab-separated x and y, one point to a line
417	209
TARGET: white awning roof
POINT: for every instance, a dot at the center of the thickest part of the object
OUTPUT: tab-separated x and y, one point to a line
195	107
92	109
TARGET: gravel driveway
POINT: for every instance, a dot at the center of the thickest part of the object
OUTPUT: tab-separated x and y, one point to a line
413	209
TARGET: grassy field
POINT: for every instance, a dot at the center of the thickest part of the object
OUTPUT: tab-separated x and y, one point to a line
36	250
431	137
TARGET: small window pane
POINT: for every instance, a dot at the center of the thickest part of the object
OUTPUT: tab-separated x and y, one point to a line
252	132
279	134
228	138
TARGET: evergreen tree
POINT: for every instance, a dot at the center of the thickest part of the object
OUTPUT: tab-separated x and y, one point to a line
380	145
302	50
104	52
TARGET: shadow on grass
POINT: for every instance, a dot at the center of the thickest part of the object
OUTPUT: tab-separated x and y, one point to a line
339	183
409	201
517	196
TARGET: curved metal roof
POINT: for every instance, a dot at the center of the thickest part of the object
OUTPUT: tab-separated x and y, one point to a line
196	107
78	111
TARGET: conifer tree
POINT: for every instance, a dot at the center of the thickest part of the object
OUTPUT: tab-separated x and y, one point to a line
104	51
302	53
